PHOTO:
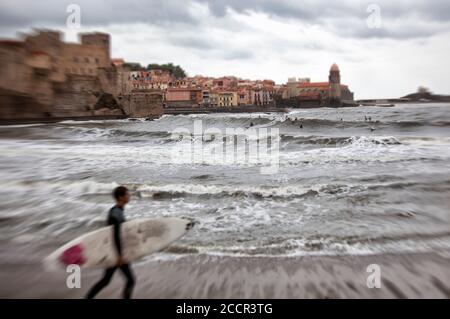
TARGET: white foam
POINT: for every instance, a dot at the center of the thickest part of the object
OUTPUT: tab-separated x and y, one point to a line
200	189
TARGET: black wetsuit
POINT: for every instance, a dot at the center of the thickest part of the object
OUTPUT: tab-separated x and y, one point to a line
115	218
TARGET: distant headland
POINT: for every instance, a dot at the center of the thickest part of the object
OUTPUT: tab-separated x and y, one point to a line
423	95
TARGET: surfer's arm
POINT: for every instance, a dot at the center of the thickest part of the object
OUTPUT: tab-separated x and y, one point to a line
115	221
117	240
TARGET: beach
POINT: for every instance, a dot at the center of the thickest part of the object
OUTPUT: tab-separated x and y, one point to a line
202	276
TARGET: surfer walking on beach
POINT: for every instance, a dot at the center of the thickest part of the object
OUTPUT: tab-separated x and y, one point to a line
115	218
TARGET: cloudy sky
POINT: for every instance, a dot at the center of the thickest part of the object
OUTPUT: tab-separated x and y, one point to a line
385	55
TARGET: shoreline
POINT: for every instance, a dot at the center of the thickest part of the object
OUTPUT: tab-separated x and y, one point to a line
172	111
6	122
417	275
49	120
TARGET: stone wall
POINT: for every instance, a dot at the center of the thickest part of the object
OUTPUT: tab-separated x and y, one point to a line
12	103
83	95
145	103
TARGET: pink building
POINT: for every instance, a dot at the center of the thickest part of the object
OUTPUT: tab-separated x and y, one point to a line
184	97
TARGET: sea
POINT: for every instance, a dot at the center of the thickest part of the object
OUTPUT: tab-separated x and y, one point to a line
349	181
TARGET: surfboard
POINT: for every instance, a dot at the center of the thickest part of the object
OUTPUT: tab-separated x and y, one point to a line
140	237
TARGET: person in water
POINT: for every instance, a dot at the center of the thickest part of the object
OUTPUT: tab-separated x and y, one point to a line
116	218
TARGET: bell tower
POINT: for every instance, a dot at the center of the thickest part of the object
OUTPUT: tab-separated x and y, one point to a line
334	80
335	74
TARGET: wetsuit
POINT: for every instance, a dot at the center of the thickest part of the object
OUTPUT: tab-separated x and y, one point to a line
115	218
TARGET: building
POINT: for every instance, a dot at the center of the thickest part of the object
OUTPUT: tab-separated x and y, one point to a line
183	97
225	82
140	100
292	87
161	77
84	58
227	99
213	98
44	77
260	96
331	93
149	80
206	98
243	97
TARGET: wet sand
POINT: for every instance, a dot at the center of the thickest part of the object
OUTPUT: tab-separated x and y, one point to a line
201	276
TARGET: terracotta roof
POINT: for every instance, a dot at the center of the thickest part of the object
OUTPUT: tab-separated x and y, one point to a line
314	84
321	85
184	89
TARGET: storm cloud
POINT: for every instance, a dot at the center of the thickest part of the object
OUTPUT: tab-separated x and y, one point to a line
405	19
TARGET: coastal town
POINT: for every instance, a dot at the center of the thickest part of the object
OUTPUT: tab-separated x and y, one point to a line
44	77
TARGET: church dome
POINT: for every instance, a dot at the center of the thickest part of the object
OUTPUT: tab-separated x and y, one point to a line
334	67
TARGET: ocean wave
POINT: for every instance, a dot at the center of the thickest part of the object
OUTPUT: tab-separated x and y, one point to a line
166	191
290	121
329	245
74	188
94	133
341	141
181	190
412	124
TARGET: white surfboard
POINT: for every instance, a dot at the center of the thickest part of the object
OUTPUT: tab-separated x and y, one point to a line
140	237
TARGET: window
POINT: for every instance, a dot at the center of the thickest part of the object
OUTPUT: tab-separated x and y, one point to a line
97	60
86	60
75	59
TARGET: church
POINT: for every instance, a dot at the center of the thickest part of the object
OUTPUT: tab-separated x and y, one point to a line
324	94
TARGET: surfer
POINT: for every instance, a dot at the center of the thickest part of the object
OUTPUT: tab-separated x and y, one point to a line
116	218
